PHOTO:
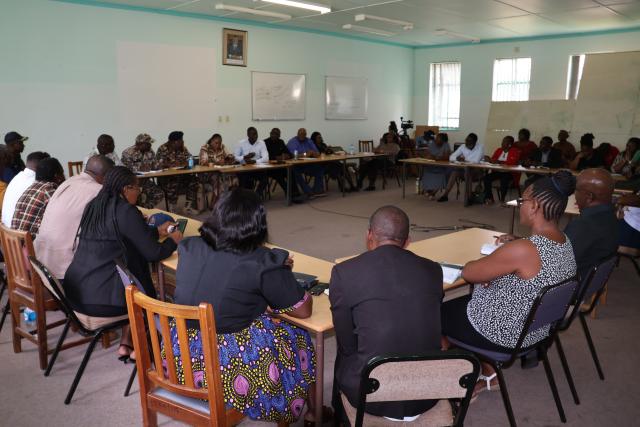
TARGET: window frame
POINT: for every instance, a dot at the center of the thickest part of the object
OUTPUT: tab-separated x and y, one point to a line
514	82
431	115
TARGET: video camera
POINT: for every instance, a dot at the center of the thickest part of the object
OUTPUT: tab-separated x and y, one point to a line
405	124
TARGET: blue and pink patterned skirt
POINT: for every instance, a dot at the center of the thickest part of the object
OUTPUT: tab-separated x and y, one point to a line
267	368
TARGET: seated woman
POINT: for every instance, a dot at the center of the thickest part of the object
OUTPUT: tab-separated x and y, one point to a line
389	145
335	170
623	164
435	178
214	153
630	220
267	366
112	227
508	280
506	155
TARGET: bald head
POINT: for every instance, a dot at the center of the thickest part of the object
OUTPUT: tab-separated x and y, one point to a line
98	166
594	187
388	225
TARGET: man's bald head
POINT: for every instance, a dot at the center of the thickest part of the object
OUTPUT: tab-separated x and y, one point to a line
388	225
594	187
98	166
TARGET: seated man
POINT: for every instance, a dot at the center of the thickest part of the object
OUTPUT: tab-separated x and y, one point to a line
252	151
471	152
173	154
507	154
278	152
54	246
33	202
15	146
389	145
141	158
587	157
105	147
304	147
546	156
384	301
20	183
566	148
593	234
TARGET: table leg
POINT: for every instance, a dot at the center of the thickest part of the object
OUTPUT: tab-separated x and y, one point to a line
319	375
404	178
160	271
513	219
384	172
342	178
289	185
467	186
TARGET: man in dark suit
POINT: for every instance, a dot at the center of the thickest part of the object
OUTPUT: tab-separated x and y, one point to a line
385	301
593	234
546	156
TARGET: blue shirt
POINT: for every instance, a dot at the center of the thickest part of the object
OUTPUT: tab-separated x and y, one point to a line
306	146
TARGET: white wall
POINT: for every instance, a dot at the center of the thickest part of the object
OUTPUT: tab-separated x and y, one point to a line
70	72
550	59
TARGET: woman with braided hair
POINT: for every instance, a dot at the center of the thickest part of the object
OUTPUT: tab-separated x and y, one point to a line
508	280
113	228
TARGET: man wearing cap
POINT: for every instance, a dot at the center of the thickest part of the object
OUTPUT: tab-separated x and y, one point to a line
105	147
141	158
15	146
173	154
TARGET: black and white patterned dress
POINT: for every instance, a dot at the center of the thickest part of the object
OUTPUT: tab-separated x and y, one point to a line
498	312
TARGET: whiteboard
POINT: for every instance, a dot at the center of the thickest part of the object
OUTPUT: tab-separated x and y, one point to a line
278	96
346	98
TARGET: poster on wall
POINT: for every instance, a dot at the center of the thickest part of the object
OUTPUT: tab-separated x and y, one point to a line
234	47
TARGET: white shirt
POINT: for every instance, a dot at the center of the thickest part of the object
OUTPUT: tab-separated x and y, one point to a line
631	216
113	156
245	147
471	156
16	187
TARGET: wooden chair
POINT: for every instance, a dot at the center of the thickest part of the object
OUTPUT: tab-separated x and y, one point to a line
5	309
25	291
75	168
187	403
632	254
365	146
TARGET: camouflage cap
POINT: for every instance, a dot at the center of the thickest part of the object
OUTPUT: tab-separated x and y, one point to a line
144	137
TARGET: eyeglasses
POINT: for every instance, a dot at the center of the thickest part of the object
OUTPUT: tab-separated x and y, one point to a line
520	201
134	188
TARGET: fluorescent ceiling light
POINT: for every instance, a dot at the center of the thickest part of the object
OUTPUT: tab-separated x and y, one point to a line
404	24
444	32
322	9
258	12
369	30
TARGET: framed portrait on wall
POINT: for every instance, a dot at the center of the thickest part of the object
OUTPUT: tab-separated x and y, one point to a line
234	47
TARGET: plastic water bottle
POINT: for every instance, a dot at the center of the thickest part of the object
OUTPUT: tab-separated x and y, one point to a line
190	162
29	316
352	149
295	154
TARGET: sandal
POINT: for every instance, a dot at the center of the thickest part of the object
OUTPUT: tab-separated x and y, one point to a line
124	357
492	384
327	416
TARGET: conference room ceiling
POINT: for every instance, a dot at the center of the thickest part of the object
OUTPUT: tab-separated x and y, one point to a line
462	20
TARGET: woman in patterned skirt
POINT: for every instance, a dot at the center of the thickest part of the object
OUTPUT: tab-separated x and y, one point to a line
508	280
214	153
267	365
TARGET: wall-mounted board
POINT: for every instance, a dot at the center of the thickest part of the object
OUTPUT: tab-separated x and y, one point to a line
277	96
346	98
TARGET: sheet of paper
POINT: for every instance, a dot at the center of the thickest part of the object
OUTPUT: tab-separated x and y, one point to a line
450	273
488	248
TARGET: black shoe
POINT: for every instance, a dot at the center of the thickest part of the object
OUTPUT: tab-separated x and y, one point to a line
444	198
530	360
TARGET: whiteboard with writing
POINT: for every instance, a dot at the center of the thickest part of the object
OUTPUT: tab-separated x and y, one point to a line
277	96
346	98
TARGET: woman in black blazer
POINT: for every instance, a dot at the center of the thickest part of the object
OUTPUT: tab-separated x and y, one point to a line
111	228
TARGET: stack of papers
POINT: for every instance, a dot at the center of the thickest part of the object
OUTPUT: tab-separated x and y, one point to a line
450	273
488	248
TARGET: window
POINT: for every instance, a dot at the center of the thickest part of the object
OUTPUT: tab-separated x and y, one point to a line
511	78
576	65
444	95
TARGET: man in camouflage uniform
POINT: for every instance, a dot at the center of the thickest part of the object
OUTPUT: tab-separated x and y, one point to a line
141	158
172	154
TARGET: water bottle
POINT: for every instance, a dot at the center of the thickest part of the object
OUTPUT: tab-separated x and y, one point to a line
29	316
190	162
295	154
352	149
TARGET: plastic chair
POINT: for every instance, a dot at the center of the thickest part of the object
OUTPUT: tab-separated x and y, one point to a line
88	326
163	393
75	168
591	288
549	309
632	254
438	375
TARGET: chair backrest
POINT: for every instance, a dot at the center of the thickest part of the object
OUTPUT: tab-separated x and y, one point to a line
16	246
365	146
599	279
151	373
127	277
75	168
549	308
436	375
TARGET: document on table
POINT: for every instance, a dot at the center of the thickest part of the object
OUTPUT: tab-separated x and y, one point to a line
450	272
488	248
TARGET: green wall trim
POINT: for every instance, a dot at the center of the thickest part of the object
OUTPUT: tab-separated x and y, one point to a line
231	21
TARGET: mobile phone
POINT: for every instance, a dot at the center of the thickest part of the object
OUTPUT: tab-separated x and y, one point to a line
181	225
318	289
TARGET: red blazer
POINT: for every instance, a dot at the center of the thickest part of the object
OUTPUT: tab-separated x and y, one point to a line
513	156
